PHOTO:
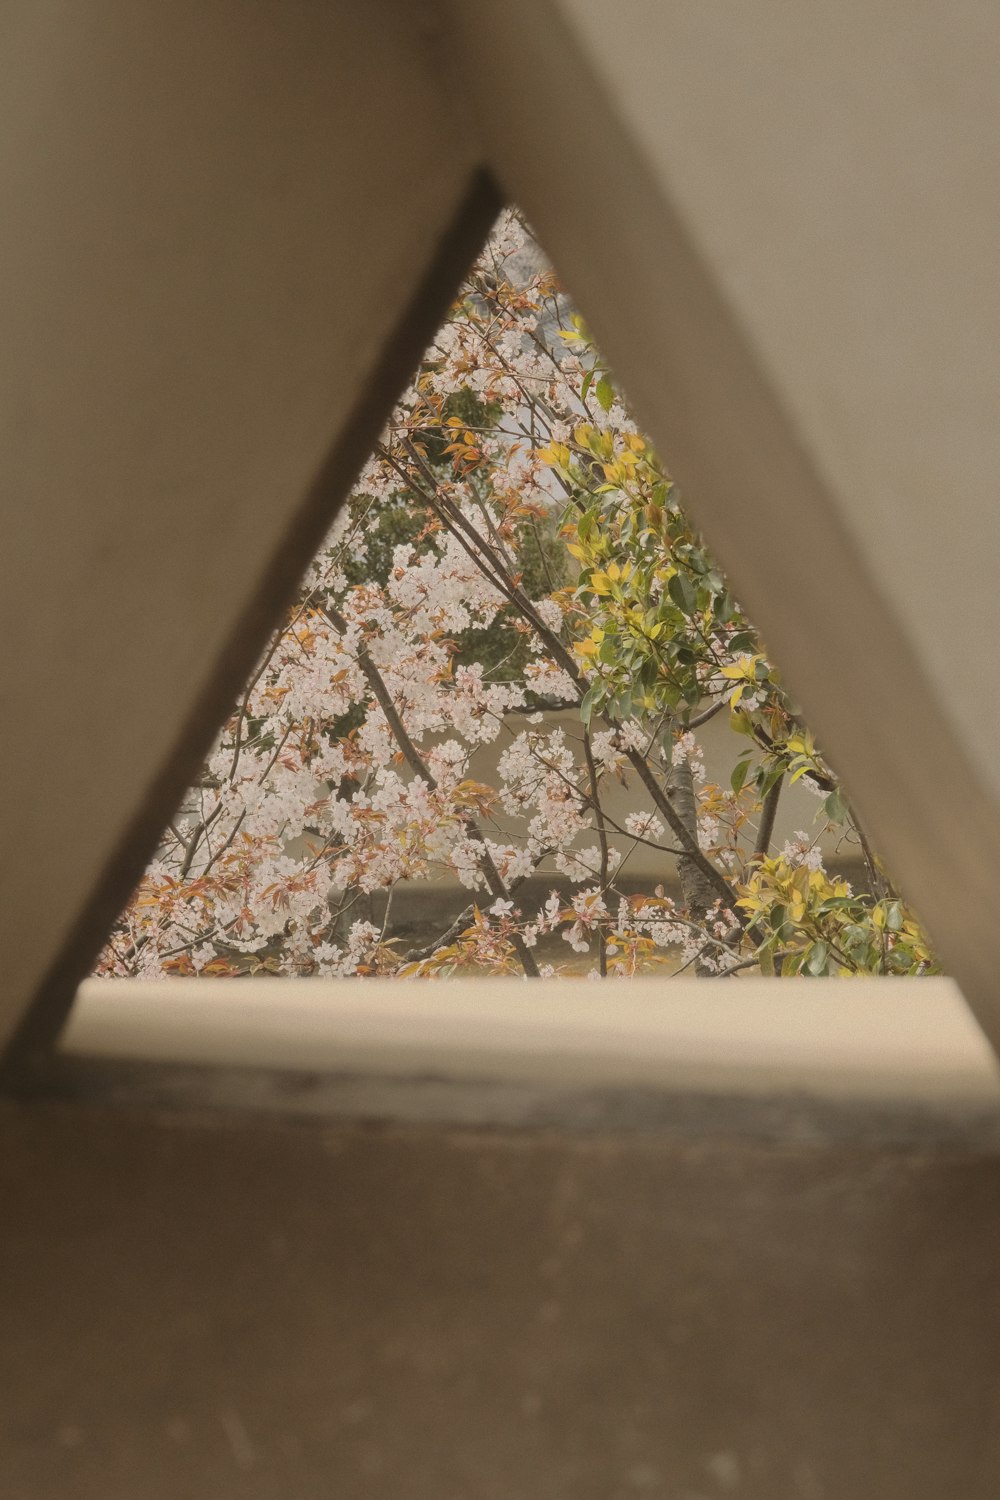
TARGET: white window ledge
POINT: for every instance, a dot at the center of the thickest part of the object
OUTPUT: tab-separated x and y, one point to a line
901	1042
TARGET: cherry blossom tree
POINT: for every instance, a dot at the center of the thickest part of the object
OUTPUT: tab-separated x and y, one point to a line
514	546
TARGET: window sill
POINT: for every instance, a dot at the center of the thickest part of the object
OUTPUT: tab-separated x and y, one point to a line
814	1057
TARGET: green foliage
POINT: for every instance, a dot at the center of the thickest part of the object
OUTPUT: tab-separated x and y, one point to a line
511	489
811	925
662	639
543	567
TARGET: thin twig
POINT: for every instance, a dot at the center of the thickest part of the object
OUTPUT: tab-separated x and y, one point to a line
419	766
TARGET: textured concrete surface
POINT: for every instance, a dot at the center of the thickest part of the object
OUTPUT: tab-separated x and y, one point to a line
228	234
191	1307
781	227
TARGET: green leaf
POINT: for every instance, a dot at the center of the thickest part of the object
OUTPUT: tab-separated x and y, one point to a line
740	773
623	704
587	706
683	592
605	392
723	608
854	936
743	641
588	381
767	779
816	960
835	806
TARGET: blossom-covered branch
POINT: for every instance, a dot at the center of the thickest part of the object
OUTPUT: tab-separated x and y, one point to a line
512	623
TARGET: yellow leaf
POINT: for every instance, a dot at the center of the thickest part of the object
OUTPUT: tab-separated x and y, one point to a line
556	454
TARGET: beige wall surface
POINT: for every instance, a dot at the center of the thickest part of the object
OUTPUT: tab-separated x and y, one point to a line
215	226
782	226
215	221
196	1308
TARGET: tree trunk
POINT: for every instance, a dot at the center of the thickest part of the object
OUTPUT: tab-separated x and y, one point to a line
698	894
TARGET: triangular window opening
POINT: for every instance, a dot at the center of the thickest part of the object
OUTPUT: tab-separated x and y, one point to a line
516	721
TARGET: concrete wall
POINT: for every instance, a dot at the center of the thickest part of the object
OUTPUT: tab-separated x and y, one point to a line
250	1316
226	237
781	228
226	234
226	240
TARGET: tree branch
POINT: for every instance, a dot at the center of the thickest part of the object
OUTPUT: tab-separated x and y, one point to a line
765	830
419	766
